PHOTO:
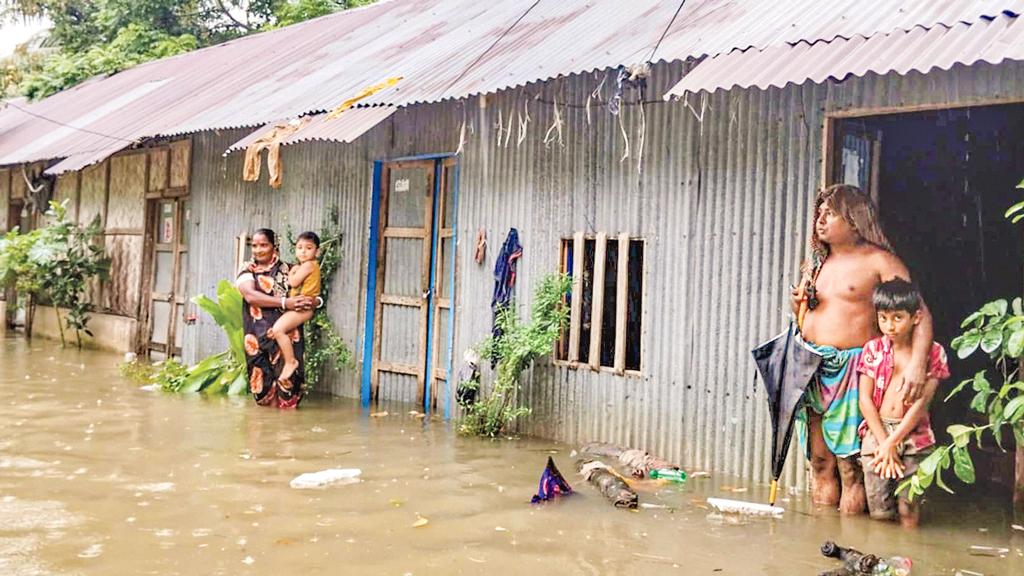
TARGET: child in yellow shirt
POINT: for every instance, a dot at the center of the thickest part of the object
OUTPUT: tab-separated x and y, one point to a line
304	279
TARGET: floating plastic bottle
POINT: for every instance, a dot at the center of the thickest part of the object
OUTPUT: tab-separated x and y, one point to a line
895	566
670	474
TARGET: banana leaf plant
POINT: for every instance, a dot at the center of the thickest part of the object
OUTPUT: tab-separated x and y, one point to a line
222	373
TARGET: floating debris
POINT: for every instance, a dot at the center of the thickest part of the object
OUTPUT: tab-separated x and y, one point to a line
153	487
995	551
609	482
326	477
92	551
653	557
739	507
421	521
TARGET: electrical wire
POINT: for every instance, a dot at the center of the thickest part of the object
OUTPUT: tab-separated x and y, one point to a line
489	48
59	123
665	32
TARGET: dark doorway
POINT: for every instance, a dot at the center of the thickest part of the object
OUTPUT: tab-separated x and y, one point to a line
943	180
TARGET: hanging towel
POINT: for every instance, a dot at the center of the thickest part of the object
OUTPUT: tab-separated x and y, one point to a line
504	278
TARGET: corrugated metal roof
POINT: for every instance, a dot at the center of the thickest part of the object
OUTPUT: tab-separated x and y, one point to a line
442	48
919	49
351	124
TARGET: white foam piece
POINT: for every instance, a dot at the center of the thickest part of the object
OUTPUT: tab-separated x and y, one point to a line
325	477
741	507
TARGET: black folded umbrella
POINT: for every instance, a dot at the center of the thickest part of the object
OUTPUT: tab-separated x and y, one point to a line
787	368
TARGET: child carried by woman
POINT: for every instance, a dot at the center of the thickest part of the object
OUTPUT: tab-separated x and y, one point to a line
304	279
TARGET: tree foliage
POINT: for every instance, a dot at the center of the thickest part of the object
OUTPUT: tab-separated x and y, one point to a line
55	263
102	37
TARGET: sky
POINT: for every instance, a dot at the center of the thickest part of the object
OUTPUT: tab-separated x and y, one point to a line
14	33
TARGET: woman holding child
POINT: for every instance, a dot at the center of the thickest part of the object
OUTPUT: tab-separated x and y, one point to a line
265	285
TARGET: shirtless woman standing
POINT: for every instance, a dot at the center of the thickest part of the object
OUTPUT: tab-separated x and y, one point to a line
849	257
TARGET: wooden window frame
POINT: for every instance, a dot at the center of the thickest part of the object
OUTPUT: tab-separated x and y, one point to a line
593	361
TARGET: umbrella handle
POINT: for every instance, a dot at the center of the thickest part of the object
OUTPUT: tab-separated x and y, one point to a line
802	307
773	492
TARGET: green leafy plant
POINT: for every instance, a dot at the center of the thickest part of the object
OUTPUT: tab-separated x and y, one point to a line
171	375
515	348
323	344
997	329
55	264
221	373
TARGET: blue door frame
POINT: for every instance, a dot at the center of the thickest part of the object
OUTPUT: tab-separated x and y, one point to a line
445	398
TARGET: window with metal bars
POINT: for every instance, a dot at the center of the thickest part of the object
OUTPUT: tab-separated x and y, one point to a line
606	302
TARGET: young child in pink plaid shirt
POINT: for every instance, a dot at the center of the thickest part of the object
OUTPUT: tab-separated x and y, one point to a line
896	436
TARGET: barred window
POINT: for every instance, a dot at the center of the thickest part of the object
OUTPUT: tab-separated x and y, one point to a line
606	302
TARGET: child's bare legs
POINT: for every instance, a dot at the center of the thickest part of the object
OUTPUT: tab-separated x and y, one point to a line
910	513
280	332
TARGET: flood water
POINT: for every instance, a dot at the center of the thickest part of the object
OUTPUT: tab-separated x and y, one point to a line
100	477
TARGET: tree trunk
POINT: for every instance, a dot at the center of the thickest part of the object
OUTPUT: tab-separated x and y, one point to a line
30	313
60	326
1018	485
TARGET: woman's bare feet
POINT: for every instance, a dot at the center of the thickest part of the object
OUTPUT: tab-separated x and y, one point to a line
289	369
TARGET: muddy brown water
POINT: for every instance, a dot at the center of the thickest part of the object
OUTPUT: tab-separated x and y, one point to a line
100	477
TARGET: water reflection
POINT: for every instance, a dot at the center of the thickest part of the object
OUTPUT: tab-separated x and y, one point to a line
100	477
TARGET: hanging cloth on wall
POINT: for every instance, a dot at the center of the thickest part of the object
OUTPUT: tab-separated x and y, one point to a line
271	142
504	278
481	247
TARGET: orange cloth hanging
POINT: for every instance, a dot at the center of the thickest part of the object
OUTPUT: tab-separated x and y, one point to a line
271	142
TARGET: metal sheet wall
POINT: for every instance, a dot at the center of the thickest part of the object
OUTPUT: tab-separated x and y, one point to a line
721	201
721	205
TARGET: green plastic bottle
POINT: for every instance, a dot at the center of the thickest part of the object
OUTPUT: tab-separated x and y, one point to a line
670	474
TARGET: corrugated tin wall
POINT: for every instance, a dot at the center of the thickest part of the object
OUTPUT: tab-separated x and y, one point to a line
721	205
722	202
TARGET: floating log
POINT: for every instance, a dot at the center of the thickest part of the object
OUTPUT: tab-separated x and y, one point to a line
608	482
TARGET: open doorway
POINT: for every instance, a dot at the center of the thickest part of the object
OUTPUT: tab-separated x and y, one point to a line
943	180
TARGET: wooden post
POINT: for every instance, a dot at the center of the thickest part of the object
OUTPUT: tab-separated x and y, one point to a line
827	165
621	297
576	312
597	306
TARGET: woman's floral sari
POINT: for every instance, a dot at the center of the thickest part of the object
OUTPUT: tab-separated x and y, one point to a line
263	357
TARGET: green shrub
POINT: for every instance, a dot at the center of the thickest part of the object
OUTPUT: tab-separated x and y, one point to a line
55	263
518	345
